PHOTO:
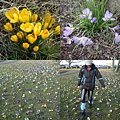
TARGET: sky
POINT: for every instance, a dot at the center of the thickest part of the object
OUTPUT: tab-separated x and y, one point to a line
96	62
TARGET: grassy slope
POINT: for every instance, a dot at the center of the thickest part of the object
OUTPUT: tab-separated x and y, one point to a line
70	103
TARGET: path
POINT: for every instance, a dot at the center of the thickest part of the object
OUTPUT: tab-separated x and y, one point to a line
68	72
7	61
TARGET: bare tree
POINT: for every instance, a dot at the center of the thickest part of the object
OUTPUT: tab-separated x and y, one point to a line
69	62
72	61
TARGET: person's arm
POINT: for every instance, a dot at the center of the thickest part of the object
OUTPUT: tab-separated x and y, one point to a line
100	78
79	78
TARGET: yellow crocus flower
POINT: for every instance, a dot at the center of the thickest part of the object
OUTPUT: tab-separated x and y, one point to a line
37	29
45	33
45	26
51	22
20	34
48	17
13	15
14	38
25	45
31	38
47	21
20	105
36	48
25	15
57	30
8	27
4	116
27	27
44	105
34	17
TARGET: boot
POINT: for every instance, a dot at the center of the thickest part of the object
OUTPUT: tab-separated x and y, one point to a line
90	104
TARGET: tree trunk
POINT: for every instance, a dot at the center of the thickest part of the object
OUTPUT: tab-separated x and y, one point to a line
117	67
113	63
69	63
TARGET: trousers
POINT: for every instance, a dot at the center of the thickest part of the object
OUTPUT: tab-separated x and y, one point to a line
83	98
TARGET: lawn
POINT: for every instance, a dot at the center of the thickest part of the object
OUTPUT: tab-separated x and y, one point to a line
106	103
29	90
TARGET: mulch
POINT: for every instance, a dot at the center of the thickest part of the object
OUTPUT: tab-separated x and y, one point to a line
97	51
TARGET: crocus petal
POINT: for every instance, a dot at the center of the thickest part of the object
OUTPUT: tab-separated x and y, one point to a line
36	48
25	45
104	19
112	19
116	27
90	16
94	20
110	15
89	42
84	11
76	39
116	34
14	38
117	39
69	28
8	27
57	30
45	34
68	40
65	33
82	16
34	17
107	12
37	28
87	10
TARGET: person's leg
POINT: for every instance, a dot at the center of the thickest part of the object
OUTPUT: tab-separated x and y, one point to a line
83	104
90	94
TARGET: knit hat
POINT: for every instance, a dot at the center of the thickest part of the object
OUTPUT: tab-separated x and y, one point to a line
88	62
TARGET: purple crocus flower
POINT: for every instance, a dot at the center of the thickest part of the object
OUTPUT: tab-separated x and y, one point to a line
116	27
75	39
86	13
68	40
94	20
89	42
85	41
68	31
108	16
117	38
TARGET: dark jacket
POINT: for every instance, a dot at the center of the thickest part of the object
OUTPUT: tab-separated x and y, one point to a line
86	77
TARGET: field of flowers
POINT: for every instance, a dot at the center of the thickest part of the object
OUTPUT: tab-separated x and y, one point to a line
29	29
106	103
89	30
29	90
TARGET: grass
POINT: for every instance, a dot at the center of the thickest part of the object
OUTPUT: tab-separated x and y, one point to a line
29	89
12	51
70	98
